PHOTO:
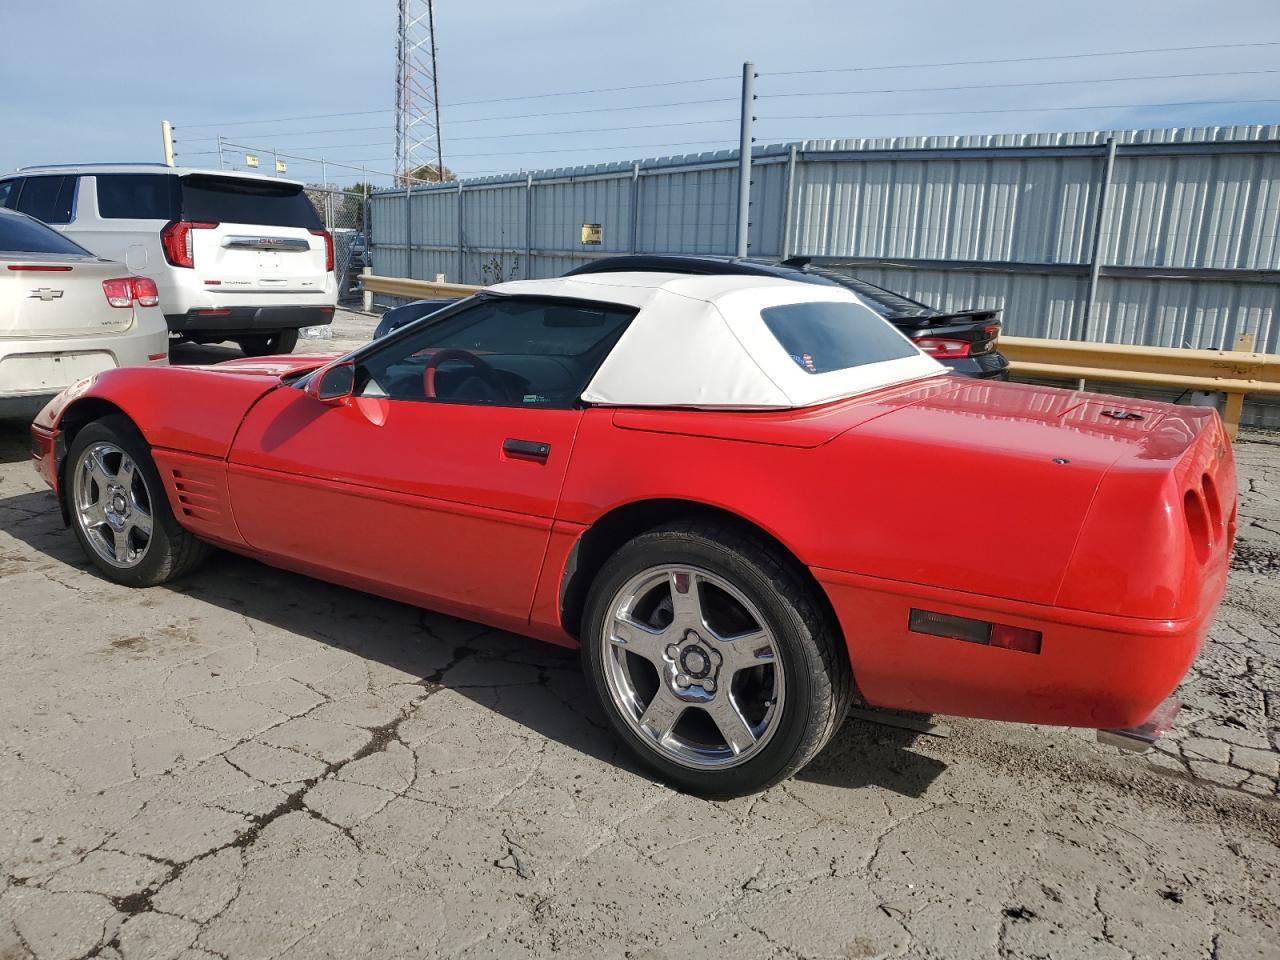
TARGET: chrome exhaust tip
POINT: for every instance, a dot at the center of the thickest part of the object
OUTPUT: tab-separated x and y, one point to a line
1140	738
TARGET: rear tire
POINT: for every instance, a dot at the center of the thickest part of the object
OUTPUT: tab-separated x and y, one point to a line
750	648
282	341
119	509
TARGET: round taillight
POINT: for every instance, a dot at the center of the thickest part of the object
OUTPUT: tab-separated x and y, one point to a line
1197	524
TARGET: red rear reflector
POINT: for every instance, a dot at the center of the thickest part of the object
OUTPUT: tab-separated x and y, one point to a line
974	631
213	313
157	356
1015	638
941	348
213	283
38	268
119	291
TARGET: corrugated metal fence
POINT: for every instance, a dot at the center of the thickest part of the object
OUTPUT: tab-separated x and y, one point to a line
1178	246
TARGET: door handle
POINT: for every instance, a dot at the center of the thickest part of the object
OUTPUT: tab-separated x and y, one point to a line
526	449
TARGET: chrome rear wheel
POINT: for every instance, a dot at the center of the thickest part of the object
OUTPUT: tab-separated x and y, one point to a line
692	667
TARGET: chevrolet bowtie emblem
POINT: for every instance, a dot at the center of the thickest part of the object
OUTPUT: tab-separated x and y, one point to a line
46	293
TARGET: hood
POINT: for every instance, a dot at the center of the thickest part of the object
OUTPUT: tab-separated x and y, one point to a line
278	366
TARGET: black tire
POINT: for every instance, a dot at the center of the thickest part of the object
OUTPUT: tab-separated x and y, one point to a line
171	551
282	341
818	679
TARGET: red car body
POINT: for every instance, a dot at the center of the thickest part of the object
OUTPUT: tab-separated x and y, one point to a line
1105	524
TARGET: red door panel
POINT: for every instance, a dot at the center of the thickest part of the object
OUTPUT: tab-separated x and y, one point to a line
421	497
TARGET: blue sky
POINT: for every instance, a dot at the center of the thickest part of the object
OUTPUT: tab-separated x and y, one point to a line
90	80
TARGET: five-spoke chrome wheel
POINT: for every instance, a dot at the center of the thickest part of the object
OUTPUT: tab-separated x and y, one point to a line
112	504
692	667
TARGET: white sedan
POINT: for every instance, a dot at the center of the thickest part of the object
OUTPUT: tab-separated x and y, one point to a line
66	314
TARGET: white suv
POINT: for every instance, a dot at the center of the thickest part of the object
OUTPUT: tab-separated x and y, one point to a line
235	256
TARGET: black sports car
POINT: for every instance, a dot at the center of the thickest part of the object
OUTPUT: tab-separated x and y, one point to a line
964	340
397	317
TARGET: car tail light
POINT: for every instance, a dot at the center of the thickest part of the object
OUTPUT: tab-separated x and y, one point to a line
119	292
123	291
38	268
175	239
951	627
145	291
992	330
328	247
941	348
1015	638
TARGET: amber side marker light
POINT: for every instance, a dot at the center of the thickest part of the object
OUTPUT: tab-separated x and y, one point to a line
1000	635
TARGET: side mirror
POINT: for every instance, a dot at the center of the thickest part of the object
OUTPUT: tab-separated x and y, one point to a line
333	384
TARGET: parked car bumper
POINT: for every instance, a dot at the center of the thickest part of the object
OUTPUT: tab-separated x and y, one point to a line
33	371
1092	670
986	366
249	320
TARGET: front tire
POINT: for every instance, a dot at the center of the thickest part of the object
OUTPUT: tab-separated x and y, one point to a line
718	666
119	510
282	341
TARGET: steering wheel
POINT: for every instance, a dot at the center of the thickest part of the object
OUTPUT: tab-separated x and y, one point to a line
482	369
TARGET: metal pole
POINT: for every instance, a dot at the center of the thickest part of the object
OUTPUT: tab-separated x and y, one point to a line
789	203
635	207
1095	255
408	227
461	275
528	225
328	197
221	165
166	138
275	163
744	158
364	218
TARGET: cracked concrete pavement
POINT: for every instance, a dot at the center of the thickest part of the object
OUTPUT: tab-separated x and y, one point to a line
255	764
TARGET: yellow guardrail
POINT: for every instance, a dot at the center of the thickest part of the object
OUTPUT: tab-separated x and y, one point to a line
1235	373
416	289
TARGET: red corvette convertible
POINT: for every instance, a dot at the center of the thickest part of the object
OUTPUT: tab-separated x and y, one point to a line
749	501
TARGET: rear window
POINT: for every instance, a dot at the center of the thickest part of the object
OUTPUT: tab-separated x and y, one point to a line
50	199
227	200
822	337
24	235
136	196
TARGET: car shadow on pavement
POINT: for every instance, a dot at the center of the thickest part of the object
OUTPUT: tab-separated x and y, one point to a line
495	669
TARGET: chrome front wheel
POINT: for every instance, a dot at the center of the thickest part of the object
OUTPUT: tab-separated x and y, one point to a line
112	504
692	667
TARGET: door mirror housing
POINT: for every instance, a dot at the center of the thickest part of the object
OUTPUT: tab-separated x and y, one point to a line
333	384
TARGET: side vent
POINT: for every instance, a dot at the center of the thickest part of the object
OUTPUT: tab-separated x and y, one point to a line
198	493
199	497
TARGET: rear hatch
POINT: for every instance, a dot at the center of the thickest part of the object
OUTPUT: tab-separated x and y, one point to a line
58	295
254	235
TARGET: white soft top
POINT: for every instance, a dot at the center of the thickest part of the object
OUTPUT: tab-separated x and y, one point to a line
700	341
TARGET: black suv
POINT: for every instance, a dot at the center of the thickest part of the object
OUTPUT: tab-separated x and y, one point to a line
964	340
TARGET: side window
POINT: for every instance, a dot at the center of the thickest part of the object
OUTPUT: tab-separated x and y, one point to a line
508	351
9	192
135	196
51	199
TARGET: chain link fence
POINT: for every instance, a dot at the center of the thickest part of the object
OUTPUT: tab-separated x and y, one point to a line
344	213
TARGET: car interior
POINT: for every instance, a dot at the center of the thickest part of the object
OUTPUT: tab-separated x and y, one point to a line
504	351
